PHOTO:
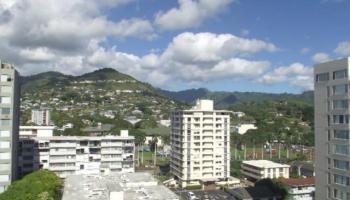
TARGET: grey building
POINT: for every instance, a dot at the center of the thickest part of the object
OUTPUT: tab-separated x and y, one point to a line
332	130
9	124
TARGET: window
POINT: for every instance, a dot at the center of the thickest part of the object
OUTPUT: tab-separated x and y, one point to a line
341	149
5	99
4	178
340	89
341	195
340	104
5	111
4	155
5	78
341	119
4	144
340	164
341	74
341	134
5	122
341	180
4	133
322	77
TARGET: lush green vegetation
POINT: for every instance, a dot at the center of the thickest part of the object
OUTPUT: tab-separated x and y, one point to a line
39	185
288	122
275	185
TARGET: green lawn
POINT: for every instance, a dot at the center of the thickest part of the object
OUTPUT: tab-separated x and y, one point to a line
148	158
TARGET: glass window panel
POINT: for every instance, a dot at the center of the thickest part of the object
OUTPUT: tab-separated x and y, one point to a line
341	74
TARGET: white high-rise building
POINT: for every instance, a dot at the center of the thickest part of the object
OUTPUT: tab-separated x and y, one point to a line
41	117
9	122
200	143
332	111
66	155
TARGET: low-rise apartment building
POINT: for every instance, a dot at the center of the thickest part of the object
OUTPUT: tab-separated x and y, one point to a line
300	188
67	155
260	169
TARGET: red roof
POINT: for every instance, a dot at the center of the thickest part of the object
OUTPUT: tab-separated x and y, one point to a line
295	182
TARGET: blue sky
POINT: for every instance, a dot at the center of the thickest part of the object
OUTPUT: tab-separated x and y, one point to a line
231	45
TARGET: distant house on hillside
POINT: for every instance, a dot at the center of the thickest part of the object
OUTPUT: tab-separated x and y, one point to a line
100	129
243	128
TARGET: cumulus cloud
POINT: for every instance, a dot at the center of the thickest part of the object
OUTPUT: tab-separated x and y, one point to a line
70	36
343	48
190	13
295	74
320	57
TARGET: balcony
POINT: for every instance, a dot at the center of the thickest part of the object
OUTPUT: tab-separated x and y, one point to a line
62	168
62	160
62	152
63	145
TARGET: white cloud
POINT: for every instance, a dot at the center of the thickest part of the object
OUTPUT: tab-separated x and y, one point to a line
343	48
295	74
320	57
305	50
190	13
70	36
209	47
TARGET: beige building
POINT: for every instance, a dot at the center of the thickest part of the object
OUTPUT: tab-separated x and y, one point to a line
9	123
200	144
260	169
41	117
332	130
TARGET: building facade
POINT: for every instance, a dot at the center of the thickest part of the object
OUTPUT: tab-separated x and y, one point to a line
260	169
9	122
300	188
332	130
66	155
200	144
41	117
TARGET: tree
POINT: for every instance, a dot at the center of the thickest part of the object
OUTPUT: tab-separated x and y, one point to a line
275	185
39	185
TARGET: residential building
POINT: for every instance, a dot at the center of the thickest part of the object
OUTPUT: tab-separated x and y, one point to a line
100	129
300	188
243	128
260	169
36	131
200	144
41	117
116	186
9	123
68	155
332	153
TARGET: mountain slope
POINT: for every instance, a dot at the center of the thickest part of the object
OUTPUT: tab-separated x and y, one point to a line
225	99
91	94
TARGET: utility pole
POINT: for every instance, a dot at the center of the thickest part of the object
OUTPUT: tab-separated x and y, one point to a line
262	152
254	157
245	152
279	151
142	155
155	154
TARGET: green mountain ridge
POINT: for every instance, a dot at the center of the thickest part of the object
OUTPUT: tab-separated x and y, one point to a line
224	99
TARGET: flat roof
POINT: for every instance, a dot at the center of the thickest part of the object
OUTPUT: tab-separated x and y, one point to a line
264	164
107	137
139	185
37	127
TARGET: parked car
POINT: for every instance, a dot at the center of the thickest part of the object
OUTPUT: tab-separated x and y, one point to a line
192	196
